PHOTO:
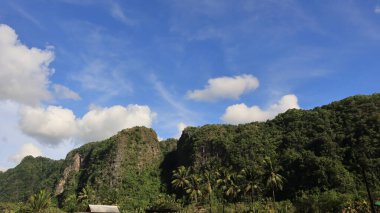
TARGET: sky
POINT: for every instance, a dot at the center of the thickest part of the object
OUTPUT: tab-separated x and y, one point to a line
73	72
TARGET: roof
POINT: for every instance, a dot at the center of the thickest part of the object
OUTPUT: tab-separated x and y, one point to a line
103	209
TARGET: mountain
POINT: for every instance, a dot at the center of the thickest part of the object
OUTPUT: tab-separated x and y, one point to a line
125	166
31	175
326	148
330	151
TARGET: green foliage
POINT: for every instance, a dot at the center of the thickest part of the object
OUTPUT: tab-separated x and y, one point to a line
194	188
29	177
39	203
70	204
274	180
328	201
324	149
7	207
181	177
165	202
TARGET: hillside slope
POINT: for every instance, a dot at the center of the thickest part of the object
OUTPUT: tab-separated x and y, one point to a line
31	175
123	166
322	149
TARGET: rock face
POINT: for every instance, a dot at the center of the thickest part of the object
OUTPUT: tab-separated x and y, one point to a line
113	165
72	168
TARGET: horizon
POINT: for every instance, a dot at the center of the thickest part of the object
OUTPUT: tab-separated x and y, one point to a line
75	72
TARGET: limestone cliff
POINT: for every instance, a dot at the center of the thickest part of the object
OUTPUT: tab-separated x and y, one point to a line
113	165
70	169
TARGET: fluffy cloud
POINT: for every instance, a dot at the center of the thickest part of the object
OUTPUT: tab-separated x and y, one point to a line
240	113
180	127
54	124
24	71
48	125
63	92
101	123
225	88
26	149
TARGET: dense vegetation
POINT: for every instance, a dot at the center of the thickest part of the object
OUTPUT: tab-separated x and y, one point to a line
319	160
30	176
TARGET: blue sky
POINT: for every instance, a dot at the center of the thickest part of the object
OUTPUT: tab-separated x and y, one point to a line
78	71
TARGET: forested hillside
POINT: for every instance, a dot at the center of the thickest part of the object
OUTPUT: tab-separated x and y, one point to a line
306	160
326	151
30	176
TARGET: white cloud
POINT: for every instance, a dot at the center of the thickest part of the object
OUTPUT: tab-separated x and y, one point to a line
24	71
101	123
118	13
55	124
2	169
225	88
241	113
26	149
180	126
48	125
64	92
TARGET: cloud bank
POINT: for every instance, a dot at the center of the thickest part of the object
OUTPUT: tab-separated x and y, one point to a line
55	124
225	88
24	71
24	79
241	113
26	149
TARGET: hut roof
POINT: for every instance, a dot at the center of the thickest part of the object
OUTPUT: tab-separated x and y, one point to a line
103	209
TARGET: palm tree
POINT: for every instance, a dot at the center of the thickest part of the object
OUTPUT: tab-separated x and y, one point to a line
274	180
227	181
194	187
39	202
208	178
223	175
87	196
250	185
181	177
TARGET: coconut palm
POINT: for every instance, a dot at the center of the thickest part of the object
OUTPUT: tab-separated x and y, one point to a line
87	195
193	189
180	177
227	181
274	180
250	185
39	202
209	180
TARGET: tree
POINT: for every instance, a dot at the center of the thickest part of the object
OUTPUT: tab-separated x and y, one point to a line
208	179
227	181
250	185
274	180
193	189
70	203
87	196
39	203
180	178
